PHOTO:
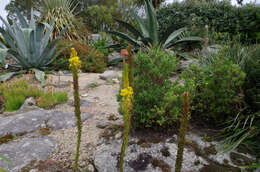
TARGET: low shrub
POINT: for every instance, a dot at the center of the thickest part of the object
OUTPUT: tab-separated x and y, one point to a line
218	90
92	60
151	85
15	93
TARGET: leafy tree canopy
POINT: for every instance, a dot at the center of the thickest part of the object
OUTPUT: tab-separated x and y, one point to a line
24	6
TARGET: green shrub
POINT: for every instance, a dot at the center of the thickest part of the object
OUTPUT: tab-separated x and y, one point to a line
248	58
151	85
252	83
218	15
244	129
15	93
218	94
92	60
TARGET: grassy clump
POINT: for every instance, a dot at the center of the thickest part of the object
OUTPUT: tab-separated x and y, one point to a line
49	100
15	93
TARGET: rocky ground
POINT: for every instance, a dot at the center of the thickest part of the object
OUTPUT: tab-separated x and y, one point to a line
34	139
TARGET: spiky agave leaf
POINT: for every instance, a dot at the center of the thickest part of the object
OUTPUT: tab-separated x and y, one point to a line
152	23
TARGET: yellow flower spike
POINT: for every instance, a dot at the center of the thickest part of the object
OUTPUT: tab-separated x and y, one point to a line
126	91
74	60
73	53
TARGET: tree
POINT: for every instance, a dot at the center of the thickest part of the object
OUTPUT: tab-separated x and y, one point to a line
24	6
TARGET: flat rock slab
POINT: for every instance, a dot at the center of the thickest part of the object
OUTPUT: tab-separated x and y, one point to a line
147	159
83	102
33	120
22	152
159	155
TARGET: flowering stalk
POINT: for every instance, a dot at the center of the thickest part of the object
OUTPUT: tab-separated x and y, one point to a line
182	131
127	96
75	64
130	65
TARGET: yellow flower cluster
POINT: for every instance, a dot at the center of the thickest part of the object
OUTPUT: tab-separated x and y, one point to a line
74	59
126	91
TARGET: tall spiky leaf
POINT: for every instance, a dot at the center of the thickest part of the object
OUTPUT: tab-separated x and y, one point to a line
152	22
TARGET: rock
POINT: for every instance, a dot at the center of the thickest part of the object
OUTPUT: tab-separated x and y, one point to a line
108	75
115	80
32	121
147	159
95	37
22	152
118	135
29	102
186	63
30	143
90	168
1	116
161	156
212	49
113	56
102	124
83	102
84	95
66	72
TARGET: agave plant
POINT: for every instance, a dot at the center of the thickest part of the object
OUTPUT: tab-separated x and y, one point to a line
29	45
148	33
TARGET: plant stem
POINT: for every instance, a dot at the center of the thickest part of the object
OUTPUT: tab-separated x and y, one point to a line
77	114
130	66
125	138
182	132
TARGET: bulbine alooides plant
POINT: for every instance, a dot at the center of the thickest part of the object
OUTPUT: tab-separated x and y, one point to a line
28	44
127	96
75	65
183	130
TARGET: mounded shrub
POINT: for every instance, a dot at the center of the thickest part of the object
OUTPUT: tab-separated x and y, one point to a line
218	90
151	85
92	60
